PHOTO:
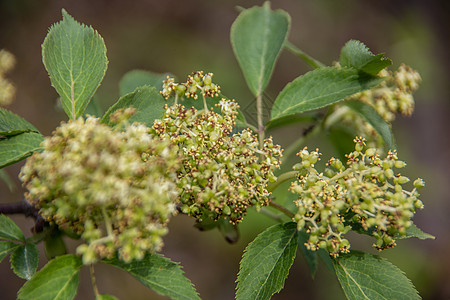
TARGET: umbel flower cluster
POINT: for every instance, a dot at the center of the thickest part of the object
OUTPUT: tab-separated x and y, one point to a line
366	196
221	174
113	187
195	82
392	97
7	89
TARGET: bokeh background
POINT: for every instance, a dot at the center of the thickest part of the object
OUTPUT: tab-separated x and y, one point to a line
184	36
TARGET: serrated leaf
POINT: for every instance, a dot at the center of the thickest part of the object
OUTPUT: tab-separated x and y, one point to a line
266	262
9	230
368	276
136	78
18	147
57	280
6	248
320	88
11	124
373	118
74	56
148	102
24	260
415	232
356	55
159	274
310	256
257	36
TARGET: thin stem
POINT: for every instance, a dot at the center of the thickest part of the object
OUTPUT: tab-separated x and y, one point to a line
271	215
294	147
107	223
253	128
281	179
307	58
259	113
94	283
282	209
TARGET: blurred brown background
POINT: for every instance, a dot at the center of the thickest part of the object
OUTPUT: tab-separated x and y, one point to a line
184	36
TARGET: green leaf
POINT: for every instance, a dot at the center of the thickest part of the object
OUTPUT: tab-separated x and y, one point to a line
7	180
75	58
6	248
342	139
266	262
9	230
310	256
93	108
319	88
292	119
257	36
159	274
106	297
136	78
54	244
368	276
11	124
57	280
16	148
373	118
24	260
148	102
356	55
416	232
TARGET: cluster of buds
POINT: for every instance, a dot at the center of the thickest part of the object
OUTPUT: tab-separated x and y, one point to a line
366	196
195	82
113	187
7	89
393	96
221	174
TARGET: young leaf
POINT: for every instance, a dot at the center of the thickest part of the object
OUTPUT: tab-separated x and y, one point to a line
310	256
266	262
6	248
368	276
7	180
16	148
148	102
356	55
75	58
416	232
136	78
159	274
257	37
9	230
11	124
24	260
319	88
57	280
374	119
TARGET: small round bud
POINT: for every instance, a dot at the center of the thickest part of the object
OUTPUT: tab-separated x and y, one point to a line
419	183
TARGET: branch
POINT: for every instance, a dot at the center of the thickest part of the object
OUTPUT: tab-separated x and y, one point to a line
26	209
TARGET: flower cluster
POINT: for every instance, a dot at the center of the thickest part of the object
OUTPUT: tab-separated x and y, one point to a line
7	89
222	174
113	187
366	196
195	82
393	96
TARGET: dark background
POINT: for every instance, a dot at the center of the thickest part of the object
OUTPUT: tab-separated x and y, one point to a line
184	36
